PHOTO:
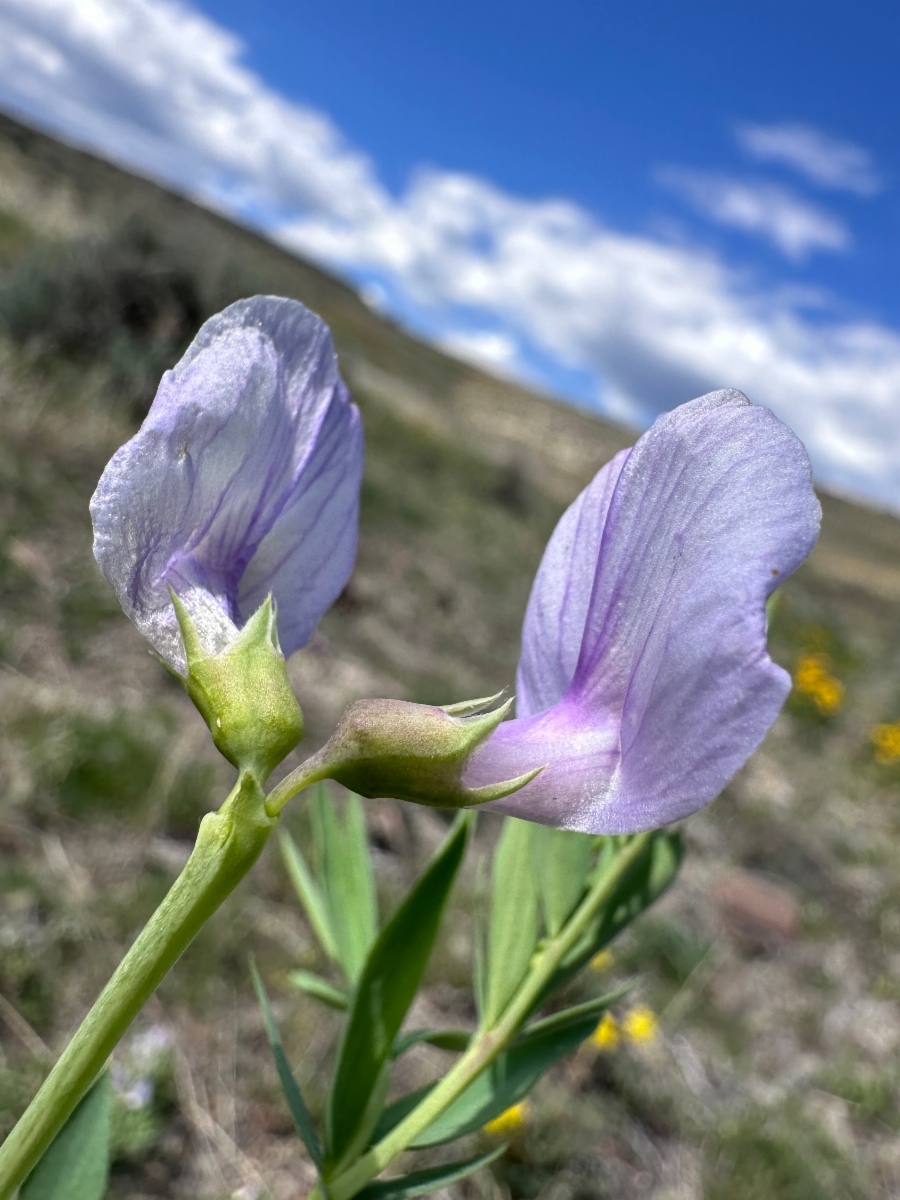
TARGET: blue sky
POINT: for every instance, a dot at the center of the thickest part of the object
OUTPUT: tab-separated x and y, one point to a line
625	204
590	101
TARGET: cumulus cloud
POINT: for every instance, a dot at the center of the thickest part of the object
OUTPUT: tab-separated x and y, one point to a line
757	207
656	323
499	352
158	85
824	160
651	323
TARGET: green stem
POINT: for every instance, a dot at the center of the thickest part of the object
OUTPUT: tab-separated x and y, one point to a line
228	843
314	770
489	1043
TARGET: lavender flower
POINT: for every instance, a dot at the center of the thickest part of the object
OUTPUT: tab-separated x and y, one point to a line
644	682
242	482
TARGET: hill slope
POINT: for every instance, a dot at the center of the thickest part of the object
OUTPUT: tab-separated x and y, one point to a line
776	1075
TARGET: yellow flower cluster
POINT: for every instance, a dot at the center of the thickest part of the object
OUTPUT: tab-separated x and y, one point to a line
886	740
602	961
510	1120
639	1026
813	679
606	1036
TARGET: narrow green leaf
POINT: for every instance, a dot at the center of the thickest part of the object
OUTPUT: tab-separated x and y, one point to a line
641	887
567	1017
389	981
309	894
562	861
358	886
667	854
772	605
480	917
652	875
419	1183
503	1084
292	1093
345	871
514	911
444	1039
319	988
76	1163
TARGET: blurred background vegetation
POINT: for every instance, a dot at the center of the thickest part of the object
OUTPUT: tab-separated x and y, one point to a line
757	1056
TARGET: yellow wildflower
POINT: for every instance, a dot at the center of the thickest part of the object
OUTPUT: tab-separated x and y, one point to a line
641	1026
886	740
602	961
606	1035
509	1121
813	679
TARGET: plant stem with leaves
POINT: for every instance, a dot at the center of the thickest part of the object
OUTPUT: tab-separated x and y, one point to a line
488	1043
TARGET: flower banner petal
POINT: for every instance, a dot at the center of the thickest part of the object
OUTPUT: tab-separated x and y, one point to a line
217	472
561	595
673	686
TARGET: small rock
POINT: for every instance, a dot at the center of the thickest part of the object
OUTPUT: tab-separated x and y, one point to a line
757	911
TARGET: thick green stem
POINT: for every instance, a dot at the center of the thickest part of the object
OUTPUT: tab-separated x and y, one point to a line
228	843
489	1043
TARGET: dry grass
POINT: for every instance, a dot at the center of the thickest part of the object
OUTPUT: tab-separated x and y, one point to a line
774	1074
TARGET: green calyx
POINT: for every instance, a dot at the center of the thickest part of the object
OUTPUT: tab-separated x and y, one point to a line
243	693
417	752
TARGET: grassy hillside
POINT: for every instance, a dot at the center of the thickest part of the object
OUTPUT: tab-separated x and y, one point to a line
773	966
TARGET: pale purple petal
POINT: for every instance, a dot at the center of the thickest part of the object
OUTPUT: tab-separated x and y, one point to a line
321	516
673	687
251	447
558	605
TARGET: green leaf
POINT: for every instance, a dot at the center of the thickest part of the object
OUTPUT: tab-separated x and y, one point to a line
772	605
292	1093
480	916
389	981
576	1015
419	1183
345	872
309	894
641	887
503	1084
444	1039
76	1163
562	861
314	985
514	912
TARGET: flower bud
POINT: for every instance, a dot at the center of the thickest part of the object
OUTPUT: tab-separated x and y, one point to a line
243	692
391	748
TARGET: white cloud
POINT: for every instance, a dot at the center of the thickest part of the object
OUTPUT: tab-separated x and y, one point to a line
156	84
824	160
755	206
162	88
497	351
656	323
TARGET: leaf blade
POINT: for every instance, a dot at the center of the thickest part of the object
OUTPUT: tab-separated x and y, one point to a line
419	1183
510	1079
358	885
309	894
388	983
513	923
562	862
292	1094
649	878
76	1163
443	1039
345	870
320	989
